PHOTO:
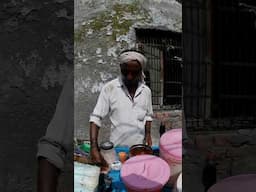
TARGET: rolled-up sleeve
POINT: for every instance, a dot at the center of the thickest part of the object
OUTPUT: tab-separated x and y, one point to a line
102	107
149	113
52	151
58	139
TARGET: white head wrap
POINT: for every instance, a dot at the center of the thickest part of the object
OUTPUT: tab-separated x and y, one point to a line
131	56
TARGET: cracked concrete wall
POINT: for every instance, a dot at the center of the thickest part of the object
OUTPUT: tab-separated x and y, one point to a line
102	29
36	55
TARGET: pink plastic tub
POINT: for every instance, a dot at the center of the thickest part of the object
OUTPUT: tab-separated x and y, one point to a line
170	148
145	173
239	183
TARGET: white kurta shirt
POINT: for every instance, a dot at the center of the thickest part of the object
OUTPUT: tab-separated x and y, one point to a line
128	116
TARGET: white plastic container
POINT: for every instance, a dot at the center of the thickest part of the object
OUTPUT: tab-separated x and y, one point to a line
178	185
86	177
108	152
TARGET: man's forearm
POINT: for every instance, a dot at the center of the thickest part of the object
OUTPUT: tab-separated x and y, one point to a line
148	140
96	156
47	176
94	129
148	128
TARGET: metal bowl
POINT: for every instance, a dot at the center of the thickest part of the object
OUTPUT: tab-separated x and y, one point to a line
140	149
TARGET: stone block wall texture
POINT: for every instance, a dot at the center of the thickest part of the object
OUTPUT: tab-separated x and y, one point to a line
234	153
103	28
36	55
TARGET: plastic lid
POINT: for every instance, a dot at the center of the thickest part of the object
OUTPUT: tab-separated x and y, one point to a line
106	145
85	147
171	143
145	172
246	183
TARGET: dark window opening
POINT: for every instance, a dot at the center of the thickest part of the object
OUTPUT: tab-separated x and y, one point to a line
164	66
234	94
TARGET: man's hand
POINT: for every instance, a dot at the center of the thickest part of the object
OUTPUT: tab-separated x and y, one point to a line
96	157
148	140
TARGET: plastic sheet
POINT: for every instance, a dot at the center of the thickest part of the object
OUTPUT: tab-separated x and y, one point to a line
86	177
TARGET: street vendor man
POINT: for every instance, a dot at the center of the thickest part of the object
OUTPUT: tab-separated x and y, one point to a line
127	100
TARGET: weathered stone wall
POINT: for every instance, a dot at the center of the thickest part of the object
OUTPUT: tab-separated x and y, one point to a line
233	150
234	153
102	29
36	48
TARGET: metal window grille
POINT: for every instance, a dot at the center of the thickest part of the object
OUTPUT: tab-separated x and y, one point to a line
219	64
235	48
164	66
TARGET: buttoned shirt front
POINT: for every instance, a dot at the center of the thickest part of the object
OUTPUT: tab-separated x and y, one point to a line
127	115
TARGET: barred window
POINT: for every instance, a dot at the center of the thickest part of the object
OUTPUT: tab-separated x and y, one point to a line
235	68
164	66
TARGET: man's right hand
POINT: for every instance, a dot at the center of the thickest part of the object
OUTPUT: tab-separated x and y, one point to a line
98	159
96	156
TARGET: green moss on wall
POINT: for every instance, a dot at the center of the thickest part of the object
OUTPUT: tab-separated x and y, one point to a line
127	8
118	21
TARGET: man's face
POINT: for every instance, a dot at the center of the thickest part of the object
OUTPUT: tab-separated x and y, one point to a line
131	73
